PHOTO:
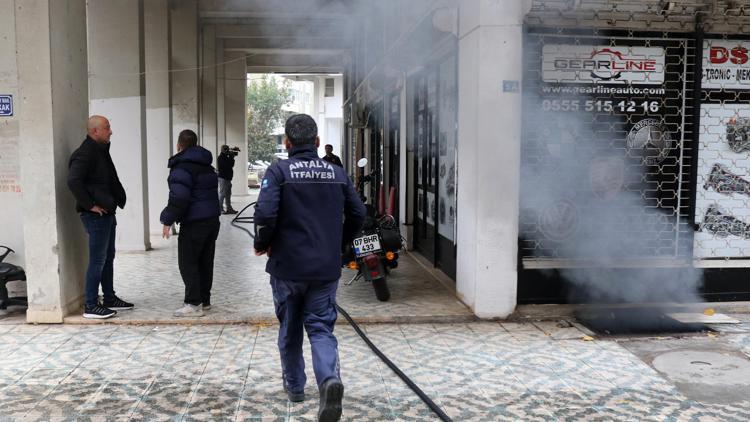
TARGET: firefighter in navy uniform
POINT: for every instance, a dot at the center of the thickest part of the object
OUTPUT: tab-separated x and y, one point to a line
306	210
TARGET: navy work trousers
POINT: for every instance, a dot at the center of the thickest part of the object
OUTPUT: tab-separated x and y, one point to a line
312	305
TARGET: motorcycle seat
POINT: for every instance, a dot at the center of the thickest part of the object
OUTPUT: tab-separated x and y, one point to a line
10	272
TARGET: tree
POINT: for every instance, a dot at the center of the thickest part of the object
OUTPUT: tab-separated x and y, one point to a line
265	99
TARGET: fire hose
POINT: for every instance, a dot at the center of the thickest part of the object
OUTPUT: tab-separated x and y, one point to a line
239	219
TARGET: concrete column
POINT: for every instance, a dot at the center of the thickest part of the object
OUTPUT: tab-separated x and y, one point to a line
319	111
184	65
52	108
208	89
158	112
489	131
235	110
117	91
221	124
11	194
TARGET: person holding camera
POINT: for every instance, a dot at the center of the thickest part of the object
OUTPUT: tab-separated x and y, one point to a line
226	163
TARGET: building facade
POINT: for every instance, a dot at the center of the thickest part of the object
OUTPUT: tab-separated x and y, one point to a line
537	151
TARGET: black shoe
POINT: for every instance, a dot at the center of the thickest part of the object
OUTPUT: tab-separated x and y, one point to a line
295	397
98	312
230	212
206	306
118	304
331	394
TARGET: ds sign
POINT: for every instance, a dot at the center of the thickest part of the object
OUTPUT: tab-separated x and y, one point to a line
726	64
6	105
721	55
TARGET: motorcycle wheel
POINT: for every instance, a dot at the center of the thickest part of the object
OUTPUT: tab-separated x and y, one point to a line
381	289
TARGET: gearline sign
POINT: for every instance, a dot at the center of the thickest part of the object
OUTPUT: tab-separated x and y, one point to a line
566	63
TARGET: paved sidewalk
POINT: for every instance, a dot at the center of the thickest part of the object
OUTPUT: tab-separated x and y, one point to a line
242	293
476	371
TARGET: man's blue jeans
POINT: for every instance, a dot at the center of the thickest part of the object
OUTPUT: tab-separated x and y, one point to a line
101	231
311	305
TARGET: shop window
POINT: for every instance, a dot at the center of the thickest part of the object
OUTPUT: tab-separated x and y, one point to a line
330	91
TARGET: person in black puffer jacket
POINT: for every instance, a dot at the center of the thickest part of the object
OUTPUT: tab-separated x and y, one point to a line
194	203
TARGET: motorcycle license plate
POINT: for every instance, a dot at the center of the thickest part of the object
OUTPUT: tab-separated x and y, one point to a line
366	244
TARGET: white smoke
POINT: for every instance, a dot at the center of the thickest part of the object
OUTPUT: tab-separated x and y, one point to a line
604	207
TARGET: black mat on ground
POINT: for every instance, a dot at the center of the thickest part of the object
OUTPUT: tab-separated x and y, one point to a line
618	321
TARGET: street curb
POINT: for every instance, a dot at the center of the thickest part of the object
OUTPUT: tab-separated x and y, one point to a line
551	312
428	319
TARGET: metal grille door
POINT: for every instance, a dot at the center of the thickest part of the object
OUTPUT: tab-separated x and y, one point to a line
607	148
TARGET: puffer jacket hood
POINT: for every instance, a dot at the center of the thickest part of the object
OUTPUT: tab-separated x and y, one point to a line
196	154
193	187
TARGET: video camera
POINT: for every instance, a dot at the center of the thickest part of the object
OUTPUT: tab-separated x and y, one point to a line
235	151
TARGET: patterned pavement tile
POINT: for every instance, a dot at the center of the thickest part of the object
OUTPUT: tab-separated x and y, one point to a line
515	407
242	293
164	398
215	398
112	355
65	401
263	395
730	412
20	398
475	371
44	375
115	399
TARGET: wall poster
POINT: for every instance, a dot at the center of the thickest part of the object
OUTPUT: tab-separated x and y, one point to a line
722	211
10	167
446	207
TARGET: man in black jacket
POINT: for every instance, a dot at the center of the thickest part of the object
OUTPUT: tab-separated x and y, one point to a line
92	178
331	157
306	210
225	162
194	203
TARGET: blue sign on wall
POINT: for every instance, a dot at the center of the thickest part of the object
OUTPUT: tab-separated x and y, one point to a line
6	105
511	86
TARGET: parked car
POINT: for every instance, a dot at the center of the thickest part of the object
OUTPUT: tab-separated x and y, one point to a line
253	181
259	167
256	171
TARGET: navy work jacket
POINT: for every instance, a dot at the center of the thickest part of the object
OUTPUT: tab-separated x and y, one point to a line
307	209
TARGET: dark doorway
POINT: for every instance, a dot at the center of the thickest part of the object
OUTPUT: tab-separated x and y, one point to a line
376	152
425	105
394	144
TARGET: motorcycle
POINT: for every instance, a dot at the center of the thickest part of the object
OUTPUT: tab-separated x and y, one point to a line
8	273
375	250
